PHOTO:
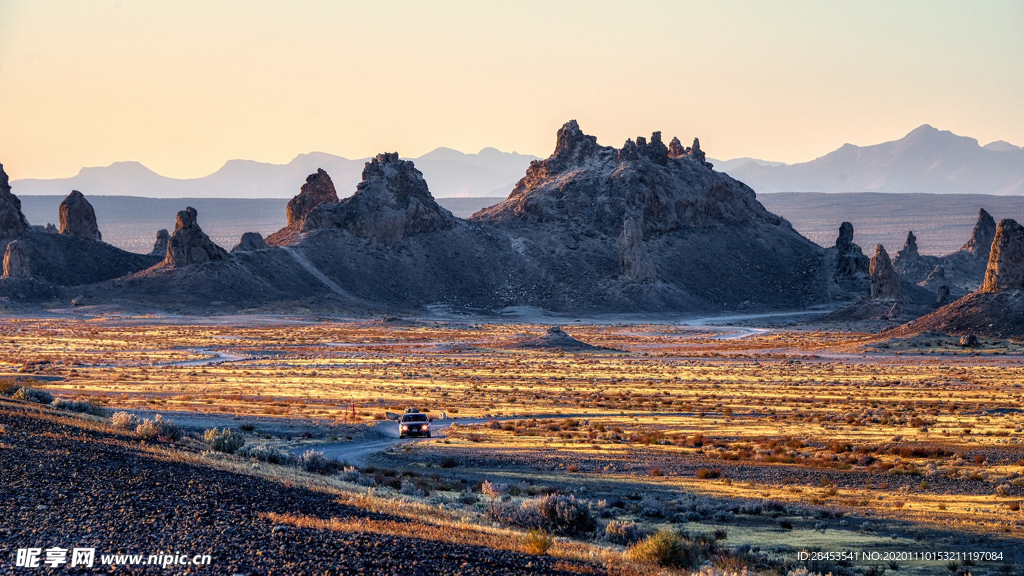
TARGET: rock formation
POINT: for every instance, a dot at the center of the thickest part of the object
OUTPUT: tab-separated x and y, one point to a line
160	245
78	218
942	296
885	283
12	220
634	263
997	309
909	250
51	229
1006	262
980	242
16	261
189	244
555	339
850	259
599	187
391	203
318	189
561	242
250	241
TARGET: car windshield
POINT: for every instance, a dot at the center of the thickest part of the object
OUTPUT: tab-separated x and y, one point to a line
415	418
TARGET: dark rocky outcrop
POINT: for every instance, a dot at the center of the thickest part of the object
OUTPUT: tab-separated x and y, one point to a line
555	339
16	261
600	187
634	263
57	259
250	241
160	245
51	229
885	283
1006	260
12	220
189	244
391	203
318	189
77	217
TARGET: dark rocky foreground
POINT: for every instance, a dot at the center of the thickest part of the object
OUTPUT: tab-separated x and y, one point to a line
62	484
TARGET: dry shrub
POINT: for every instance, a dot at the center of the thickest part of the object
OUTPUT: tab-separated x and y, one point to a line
537	542
708	473
159	429
665	548
33	395
223	440
124	421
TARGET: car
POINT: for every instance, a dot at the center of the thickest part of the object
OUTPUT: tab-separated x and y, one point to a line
414	424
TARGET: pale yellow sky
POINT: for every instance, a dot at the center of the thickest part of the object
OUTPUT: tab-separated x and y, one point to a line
183	86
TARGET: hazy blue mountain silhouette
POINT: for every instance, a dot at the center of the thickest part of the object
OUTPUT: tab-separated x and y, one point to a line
448	172
925	160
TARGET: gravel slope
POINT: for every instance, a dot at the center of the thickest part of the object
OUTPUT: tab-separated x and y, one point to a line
68	486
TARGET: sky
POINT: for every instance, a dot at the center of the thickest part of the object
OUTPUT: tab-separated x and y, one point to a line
184	86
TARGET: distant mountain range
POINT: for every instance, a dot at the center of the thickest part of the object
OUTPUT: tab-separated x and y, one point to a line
926	160
449	173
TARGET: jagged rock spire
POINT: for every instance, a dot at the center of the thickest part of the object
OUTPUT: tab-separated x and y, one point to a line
318	189
392	202
1006	262
909	250
980	242
16	261
160	244
189	244
12	220
885	283
77	217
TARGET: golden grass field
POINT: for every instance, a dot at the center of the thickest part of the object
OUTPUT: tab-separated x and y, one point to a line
921	433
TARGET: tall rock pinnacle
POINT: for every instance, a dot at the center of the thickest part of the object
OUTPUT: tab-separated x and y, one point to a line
980	242
318	189
12	220
885	283
1006	262
189	244
77	217
16	262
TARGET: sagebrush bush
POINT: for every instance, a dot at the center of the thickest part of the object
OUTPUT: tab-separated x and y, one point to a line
81	406
665	548
124	421
537	542
566	515
410	489
557	513
8	387
264	453
33	395
159	429
623	532
223	440
315	462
